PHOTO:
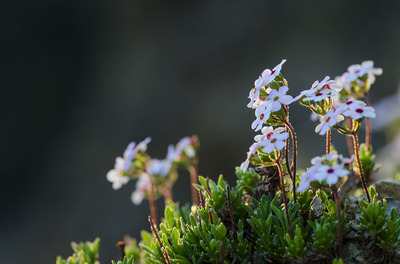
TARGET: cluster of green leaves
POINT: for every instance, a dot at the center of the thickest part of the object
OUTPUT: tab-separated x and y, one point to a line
84	253
381	226
238	225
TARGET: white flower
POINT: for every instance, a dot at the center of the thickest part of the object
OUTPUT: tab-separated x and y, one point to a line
306	178
330	174
255	92
274	141
131	151
271	75
116	175
262	113
279	97
143	185
360	112
331	118
331	156
159	167
346	162
350	104
367	67
320	90
252	150
185	145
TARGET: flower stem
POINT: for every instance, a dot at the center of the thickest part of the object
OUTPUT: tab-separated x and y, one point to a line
339	227
328	141
194	180
152	202
284	197
294	141
357	154
349	142
368	122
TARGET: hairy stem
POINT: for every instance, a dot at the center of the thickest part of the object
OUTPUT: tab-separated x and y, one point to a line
152	202
328	141
194	180
368	122
284	197
339	227
349	141
294	141
357	154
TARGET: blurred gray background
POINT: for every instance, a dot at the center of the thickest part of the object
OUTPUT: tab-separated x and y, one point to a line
84	78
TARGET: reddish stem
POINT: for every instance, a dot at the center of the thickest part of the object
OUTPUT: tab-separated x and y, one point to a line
328	141
153	208
193	181
339	228
294	141
357	154
284	197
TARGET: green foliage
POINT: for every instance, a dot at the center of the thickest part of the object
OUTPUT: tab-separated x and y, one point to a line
247	181
84	253
373	215
325	231
367	159
296	247
124	261
390	235
337	261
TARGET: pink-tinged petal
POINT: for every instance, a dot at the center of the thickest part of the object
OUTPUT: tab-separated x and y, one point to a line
266	72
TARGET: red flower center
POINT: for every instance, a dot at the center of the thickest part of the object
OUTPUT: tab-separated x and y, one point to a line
270	134
330	170
359	110
318	94
261	116
326	86
349	102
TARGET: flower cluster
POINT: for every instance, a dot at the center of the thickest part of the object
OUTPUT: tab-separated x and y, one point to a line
325	170
269	140
119	175
137	164
268	95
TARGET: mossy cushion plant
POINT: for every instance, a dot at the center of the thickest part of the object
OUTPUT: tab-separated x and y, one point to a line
274	213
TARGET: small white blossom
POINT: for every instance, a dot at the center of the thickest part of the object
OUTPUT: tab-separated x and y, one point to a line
330	174
274	141
271	75
360	112
347	162
262	113
306	178
357	71
320	90
279	97
159	167
330	157
143	185
252	150
131	151
331	118
116	175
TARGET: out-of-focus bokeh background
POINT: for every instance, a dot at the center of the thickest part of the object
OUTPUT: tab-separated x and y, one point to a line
84	78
